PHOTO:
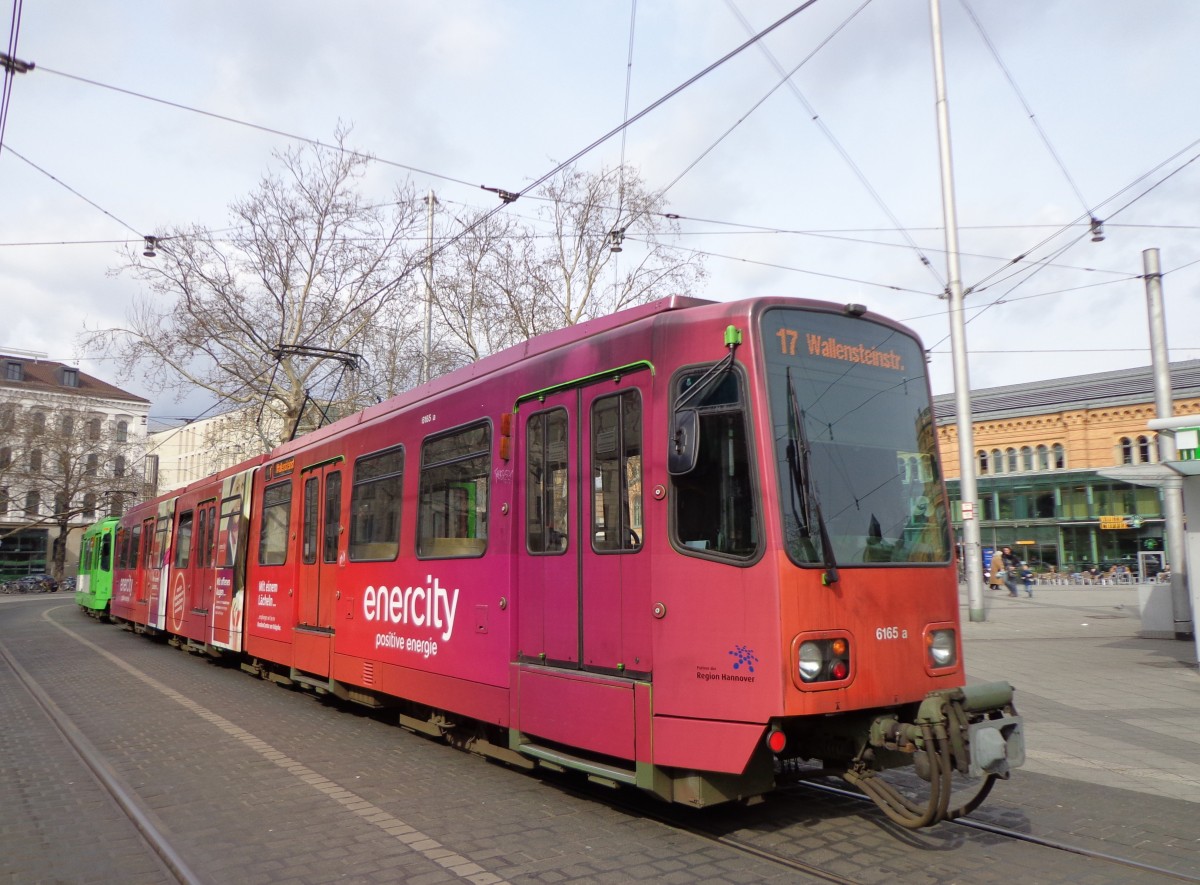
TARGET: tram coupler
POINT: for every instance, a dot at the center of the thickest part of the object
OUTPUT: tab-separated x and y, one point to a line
979	721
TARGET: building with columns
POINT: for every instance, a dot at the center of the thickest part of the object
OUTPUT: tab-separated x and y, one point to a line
206	445
1060	466
72	451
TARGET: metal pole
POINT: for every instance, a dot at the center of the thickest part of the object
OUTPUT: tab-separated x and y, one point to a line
428	346
958	338
1164	408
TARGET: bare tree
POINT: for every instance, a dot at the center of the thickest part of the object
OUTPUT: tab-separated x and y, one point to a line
63	464
596	247
253	315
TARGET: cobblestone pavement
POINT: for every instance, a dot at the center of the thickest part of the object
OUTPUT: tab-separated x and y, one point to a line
258	784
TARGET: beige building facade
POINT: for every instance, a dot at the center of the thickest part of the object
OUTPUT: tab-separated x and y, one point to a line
1060	467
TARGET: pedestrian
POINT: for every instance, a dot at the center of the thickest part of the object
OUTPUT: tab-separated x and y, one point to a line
1027	580
1009	563
996	575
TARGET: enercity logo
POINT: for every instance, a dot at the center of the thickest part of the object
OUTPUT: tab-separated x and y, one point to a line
428	605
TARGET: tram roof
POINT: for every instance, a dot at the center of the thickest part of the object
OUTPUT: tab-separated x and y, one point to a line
539	344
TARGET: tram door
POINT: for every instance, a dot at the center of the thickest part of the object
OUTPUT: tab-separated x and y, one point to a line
321	529
584	580
615	569
158	569
548	630
205	571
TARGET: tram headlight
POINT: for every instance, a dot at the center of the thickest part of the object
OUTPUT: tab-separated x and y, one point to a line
942	648
822	660
812	661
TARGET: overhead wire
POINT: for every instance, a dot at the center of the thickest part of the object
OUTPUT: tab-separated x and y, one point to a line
10	68
987	41
828	133
627	122
526	191
508	197
67	187
315	142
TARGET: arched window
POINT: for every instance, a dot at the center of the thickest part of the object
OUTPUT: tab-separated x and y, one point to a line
116	505
1026	458
67	425
122	431
1043	458
1011	460
39	423
33	504
35	461
1060	457
1144	450
5	457
983	460
61	504
1126	447
93	429
3	501
997	461
93	464
119	466
89	505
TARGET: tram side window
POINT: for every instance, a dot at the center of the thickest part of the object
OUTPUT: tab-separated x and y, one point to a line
617	472
183	540
231	521
452	513
106	553
312	492
148	547
375	506
158	554
206	543
201	536
547	492
122	548
276	520
333	516
135	543
714	505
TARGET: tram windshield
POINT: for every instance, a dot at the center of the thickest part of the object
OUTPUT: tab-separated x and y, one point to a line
855	444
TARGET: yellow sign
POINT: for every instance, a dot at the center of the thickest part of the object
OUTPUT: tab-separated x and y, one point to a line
1026	543
1114	522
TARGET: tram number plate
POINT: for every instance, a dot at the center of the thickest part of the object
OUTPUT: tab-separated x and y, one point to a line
882	633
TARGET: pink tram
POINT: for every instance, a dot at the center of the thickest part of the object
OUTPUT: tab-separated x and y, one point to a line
678	547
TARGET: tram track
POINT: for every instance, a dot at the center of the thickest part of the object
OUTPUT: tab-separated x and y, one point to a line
740	836
1017	836
149	828
782	831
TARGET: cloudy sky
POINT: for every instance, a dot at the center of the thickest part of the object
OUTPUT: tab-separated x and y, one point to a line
1060	110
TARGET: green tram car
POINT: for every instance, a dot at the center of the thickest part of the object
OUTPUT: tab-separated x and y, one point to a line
94	586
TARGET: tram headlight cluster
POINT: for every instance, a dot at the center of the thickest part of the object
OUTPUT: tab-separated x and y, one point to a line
824	660
942	648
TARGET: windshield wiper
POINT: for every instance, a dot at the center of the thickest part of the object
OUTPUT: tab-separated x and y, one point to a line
808	515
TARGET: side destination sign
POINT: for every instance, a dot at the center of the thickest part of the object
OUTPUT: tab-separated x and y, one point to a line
281	468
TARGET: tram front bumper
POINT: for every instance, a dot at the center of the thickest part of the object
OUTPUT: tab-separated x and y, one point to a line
984	731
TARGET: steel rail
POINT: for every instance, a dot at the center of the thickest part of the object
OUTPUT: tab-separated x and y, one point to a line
143	819
1017	835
